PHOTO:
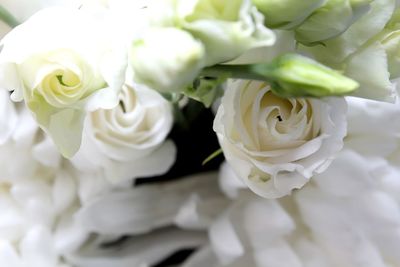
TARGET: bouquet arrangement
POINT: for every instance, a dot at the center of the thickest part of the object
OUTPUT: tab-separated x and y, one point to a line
189	133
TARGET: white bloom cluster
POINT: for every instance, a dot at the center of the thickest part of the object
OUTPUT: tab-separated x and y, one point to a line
37	194
88	86
50	210
102	83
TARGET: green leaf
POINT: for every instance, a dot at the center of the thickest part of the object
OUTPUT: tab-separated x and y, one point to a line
206	89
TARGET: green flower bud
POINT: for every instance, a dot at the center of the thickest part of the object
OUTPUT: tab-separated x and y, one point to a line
331	20
297	76
286	13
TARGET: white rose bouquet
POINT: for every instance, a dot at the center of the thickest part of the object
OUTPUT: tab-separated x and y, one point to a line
112	120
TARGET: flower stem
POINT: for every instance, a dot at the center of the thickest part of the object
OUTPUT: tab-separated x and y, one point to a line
8	18
290	75
235	71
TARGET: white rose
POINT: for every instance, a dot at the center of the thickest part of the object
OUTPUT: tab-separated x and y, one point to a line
275	145
66	69
129	140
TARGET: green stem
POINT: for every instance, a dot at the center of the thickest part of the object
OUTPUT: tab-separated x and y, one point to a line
248	72
212	156
8	18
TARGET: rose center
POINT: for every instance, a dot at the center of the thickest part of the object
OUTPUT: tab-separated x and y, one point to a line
281	123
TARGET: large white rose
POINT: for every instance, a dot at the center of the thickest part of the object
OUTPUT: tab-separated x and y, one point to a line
275	145
129	140
66	69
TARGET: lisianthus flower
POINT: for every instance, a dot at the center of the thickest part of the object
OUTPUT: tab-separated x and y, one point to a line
66	70
128	141
276	145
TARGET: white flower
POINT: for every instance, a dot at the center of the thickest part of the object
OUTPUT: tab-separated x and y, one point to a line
355	204
37	225
22	143
129	140
275	145
350	216
383	139
227	28
359	56
166	59
36	249
65	70
190	203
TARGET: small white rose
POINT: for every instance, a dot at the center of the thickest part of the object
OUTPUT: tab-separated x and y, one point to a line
275	145
166	59
128	141
64	71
